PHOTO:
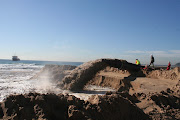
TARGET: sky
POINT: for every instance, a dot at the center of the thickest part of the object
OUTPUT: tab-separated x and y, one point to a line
84	30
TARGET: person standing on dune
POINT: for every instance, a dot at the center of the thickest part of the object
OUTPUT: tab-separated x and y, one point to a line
169	66
152	61
138	62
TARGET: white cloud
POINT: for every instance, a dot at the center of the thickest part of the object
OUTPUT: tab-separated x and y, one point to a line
146	52
175	51
135	51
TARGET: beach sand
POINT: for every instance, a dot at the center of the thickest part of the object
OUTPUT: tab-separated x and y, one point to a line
134	94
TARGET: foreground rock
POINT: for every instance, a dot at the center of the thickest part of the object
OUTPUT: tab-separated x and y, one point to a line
60	107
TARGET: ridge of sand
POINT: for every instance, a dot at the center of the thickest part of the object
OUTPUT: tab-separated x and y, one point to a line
84	73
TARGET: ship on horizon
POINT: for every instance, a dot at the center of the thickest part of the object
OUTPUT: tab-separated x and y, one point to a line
15	58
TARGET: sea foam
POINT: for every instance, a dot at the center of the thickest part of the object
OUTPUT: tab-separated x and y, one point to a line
15	78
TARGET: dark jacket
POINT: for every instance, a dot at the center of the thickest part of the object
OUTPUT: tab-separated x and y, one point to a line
152	59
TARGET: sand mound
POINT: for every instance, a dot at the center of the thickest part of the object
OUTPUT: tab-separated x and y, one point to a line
172	74
60	107
86	72
176	88
114	73
117	74
160	106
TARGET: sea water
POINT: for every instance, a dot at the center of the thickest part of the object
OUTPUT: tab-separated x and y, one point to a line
16	77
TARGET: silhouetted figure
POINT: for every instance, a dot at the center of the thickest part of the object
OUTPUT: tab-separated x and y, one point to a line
152	61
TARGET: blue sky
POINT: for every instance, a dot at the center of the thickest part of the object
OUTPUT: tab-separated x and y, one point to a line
83	30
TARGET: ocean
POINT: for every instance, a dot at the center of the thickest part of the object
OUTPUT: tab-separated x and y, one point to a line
15	76
3	61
